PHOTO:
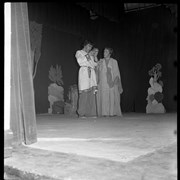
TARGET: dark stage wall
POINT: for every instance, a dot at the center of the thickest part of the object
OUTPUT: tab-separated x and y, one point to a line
140	40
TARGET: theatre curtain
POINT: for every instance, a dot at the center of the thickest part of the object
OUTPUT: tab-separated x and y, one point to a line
22	112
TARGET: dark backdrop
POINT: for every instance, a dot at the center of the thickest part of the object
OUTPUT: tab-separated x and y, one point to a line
140	40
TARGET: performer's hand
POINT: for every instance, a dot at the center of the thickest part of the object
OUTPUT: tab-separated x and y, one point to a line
120	90
88	57
100	61
95	91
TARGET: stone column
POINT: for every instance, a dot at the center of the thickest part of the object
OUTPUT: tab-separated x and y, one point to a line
8	135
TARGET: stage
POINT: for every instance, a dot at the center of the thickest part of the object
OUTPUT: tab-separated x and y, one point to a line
133	147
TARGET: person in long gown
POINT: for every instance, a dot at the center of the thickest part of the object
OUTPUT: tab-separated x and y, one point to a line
87	84
94	60
109	86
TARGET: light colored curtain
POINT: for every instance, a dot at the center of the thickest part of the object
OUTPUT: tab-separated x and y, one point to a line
22	117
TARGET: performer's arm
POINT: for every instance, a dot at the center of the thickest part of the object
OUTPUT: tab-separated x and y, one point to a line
117	80
82	60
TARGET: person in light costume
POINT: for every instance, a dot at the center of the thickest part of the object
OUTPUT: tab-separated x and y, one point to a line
87	84
109	86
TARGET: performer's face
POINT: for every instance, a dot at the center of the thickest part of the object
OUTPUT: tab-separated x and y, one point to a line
96	51
106	53
88	47
91	53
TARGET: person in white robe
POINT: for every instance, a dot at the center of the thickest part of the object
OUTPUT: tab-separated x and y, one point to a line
86	82
109	86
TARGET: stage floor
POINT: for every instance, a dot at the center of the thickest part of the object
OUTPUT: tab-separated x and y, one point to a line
147	141
116	138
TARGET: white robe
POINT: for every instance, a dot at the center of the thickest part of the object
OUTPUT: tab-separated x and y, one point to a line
85	82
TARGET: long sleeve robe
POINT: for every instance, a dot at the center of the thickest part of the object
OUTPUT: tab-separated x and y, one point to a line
109	89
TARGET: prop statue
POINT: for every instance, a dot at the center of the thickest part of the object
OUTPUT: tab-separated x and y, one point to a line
155	95
56	91
72	102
